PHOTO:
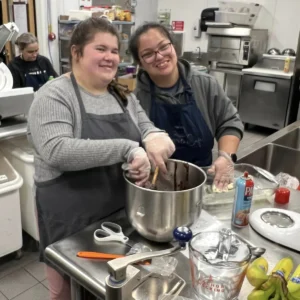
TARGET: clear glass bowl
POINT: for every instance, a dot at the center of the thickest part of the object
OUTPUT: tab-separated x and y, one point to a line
265	186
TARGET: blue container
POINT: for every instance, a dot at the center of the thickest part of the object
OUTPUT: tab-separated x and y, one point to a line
242	201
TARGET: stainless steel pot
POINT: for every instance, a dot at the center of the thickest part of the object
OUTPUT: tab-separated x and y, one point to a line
155	214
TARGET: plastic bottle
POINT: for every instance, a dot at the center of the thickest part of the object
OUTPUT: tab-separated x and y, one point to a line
287	63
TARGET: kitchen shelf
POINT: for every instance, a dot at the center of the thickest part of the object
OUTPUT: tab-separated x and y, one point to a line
65	28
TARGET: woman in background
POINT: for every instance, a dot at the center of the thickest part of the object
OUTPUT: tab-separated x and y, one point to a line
30	69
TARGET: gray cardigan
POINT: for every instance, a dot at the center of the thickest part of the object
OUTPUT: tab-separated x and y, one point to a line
54	130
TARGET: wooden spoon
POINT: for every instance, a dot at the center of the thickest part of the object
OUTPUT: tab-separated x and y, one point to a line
154	179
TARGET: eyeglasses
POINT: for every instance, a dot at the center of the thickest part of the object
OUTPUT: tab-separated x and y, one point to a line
163	50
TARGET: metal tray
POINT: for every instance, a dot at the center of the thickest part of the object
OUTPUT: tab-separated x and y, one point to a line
154	285
264	186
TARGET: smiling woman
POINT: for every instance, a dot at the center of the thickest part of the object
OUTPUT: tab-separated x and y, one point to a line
187	104
94	55
84	128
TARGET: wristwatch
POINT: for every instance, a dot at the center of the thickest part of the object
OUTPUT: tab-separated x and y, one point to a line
229	156
233	157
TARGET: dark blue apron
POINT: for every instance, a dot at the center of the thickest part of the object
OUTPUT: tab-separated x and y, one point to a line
186	127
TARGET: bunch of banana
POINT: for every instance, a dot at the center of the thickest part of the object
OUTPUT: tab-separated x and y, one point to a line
272	286
294	285
257	272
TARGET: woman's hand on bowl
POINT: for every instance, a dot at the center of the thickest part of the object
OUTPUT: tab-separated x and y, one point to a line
159	148
138	166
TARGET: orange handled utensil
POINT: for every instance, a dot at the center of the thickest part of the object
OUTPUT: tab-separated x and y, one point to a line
100	255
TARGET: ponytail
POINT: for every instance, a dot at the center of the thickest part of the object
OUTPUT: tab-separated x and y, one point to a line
119	90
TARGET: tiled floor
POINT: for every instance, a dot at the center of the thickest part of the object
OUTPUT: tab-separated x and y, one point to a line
25	279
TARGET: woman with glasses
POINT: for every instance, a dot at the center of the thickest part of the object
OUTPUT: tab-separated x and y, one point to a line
190	105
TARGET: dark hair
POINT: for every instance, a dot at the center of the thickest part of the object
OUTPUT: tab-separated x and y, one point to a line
84	33
135	38
25	39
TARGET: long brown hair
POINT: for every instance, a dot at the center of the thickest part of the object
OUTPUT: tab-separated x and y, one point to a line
84	33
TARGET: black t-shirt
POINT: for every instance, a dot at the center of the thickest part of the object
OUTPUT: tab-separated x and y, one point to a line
31	73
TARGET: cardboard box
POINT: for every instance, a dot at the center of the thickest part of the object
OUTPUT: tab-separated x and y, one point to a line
129	82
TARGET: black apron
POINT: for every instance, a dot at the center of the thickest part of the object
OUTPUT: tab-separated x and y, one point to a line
186	127
35	79
35	76
69	203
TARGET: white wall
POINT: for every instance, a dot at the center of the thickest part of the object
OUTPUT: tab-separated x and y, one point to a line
58	7
146	10
280	17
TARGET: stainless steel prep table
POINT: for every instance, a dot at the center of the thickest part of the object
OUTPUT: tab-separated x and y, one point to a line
12	127
91	274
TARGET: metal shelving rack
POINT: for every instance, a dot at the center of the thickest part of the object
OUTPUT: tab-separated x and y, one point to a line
65	38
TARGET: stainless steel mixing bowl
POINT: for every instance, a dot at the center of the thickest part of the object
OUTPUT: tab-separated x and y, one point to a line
155	213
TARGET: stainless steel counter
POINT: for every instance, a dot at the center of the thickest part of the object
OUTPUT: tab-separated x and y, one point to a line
91	273
12	127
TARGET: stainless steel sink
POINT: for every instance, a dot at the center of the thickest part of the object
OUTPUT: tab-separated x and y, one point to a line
275	159
292	139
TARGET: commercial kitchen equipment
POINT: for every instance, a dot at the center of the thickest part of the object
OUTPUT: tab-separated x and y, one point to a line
15	102
207	15
8	32
21	155
230	49
235	47
14	105
279	225
155	213
266	97
230	13
10	215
